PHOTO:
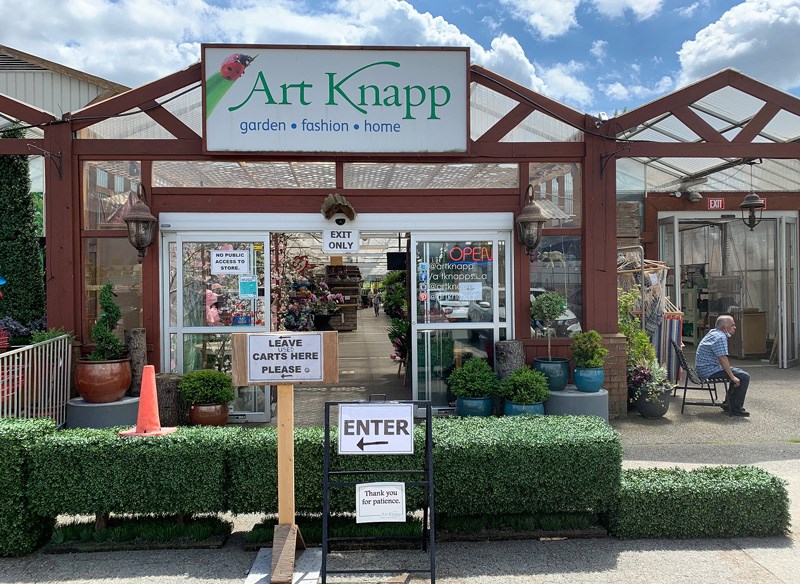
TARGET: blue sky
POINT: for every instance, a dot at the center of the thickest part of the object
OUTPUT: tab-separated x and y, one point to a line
593	55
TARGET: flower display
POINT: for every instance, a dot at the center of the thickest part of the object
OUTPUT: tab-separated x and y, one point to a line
650	380
326	302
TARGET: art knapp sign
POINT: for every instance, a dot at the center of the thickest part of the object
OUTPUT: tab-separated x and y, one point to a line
328	99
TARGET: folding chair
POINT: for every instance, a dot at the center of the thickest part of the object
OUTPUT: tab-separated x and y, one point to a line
700	384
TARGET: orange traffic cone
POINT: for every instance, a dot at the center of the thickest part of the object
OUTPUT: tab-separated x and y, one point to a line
147	421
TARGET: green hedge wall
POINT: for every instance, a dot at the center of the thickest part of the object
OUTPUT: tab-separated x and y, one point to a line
21	530
96	471
724	501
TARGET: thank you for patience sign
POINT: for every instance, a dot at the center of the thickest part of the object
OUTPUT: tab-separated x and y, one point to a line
376	429
380	502
284	357
230	261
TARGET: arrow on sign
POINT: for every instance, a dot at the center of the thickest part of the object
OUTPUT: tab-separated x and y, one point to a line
361	444
285	375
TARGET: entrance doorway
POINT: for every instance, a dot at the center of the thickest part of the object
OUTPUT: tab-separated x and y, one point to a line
223	273
719	266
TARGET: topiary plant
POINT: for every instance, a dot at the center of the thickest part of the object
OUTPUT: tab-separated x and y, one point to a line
547	307
588	350
524	386
474	379
107	346
206	386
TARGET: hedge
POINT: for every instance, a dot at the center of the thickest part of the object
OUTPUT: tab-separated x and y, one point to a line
723	501
90	471
21	529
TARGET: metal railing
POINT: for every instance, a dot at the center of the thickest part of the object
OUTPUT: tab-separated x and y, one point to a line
35	380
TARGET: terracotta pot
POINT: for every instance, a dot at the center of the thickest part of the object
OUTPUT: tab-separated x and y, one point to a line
208	414
101	382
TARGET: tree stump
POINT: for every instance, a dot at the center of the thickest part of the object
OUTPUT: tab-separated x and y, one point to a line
136	344
172	410
509	355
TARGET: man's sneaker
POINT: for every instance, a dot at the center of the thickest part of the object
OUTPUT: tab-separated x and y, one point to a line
725	406
742	413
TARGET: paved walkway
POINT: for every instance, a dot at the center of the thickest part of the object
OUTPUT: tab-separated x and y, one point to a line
768	439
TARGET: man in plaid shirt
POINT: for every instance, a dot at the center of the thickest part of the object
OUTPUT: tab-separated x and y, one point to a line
712	362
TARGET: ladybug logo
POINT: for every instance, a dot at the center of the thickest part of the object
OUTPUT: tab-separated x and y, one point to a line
233	67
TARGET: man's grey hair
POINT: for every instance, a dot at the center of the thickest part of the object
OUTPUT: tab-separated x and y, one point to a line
724	320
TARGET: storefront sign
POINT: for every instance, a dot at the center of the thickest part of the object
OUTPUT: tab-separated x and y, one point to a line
333	99
341	241
284	357
376	429
380	502
230	261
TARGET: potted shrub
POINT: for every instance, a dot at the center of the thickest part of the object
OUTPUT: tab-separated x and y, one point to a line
524	391
474	384
547	308
650	389
105	374
589	354
208	393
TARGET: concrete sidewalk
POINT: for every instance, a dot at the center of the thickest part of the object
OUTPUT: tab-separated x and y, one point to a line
701	436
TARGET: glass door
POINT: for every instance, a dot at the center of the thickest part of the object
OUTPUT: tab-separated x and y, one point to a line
215	285
669	249
459	291
787	293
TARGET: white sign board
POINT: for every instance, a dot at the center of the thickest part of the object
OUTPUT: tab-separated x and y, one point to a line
376	429
262	98
284	357
340	241
380	502
470	290
230	261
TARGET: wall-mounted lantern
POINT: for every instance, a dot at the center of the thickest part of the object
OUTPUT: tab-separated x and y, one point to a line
141	224
530	222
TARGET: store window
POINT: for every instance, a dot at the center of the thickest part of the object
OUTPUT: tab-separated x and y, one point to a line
107	187
556	267
111	260
557	189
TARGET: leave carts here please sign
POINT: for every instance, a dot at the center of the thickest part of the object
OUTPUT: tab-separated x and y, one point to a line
285	357
376	429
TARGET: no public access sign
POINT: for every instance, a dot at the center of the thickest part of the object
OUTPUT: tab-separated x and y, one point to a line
376	429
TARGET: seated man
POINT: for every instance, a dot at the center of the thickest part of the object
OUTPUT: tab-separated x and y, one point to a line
712	363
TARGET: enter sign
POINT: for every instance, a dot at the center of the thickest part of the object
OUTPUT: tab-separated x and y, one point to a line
376	428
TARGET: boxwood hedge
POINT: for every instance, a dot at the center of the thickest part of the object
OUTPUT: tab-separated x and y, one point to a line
721	501
21	529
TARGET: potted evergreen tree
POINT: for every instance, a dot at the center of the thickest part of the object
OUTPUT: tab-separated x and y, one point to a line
524	391
589	355
547	307
474	384
208	393
105	374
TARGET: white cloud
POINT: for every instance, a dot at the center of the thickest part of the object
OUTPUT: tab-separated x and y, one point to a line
634	91
598	49
758	37
548	19
688	11
642	9
562	84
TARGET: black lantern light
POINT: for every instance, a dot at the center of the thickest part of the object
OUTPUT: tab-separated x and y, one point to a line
750	203
530	222
141	224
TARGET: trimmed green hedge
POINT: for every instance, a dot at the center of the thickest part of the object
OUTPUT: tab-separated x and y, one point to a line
91	471
724	501
21	529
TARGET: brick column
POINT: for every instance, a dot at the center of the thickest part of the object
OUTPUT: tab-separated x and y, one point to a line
615	381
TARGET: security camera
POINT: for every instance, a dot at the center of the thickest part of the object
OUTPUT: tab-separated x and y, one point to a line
340	219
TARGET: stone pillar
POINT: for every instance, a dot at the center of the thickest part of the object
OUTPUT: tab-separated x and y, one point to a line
509	355
136	344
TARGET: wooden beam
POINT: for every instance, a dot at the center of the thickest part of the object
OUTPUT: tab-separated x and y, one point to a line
507	123
286	454
549	151
698	125
756	124
20	146
24	112
169	122
716	150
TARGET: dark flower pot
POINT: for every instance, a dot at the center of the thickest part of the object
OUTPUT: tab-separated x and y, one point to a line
100	382
512	409
322	322
474	406
208	414
556	369
653	408
589	379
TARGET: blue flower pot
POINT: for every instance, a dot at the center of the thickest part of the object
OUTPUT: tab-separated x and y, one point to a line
589	380
474	406
512	409
555	369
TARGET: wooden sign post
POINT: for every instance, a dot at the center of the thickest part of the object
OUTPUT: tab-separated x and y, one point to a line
286	359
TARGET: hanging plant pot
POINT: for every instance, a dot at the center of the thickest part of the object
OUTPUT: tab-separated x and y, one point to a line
556	369
101	382
589	379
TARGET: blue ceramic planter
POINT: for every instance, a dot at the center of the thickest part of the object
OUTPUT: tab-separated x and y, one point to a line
589	380
512	409
474	406
556	370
